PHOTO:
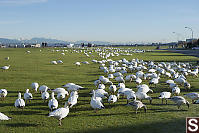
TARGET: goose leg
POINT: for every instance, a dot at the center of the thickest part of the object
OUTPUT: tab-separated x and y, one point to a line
162	101
59	122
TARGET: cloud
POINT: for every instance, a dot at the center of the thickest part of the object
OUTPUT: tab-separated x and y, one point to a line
20	2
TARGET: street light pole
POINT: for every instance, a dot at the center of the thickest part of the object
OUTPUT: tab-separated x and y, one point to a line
191	31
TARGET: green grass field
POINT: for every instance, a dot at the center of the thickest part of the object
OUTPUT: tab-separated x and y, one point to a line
35	67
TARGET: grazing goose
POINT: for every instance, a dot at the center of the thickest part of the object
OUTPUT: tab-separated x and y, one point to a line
60	90
5	67
43	88
131	96
164	95
112	88
96	103
169	81
3	93
77	63
3	117
73	98
176	90
136	105
53	103
45	95
144	88
192	96
54	62
101	93
187	85
179	100
138	80
60	113
112	99
101	86
35	86
142	95
72	87
19	103
27	95
7	58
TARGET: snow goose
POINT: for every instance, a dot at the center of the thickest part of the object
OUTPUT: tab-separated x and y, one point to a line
7	58
176	90
101	86
77	63
27	96
180	80
95	103
52	103
112	88
112	99
19	103
60	113
101	93
73	98
169	81
137	105
144	88
35	86
54	62
141	96
187	85
179	100
72	87
131	96
45	95
5	67
43	88
192	96
3	93
60	90
4	117
60	62
138	81
164	95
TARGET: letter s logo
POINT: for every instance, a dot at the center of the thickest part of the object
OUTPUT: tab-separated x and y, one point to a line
193	125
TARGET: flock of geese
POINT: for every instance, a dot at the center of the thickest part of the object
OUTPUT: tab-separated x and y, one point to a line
112	85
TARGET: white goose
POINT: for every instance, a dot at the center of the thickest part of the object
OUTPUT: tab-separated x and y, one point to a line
73	98
45	95
192	96
60	113
27	95
4	117
5	67
52	103
72	87
43	88
179	100
19	103
112	88
176	90
35	86
95	103
164	95
136	105
112	99
142	95
3	93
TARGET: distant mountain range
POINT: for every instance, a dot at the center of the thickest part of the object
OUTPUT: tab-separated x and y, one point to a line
51	42
48	40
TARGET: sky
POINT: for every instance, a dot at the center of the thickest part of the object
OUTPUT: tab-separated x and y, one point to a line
100	20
